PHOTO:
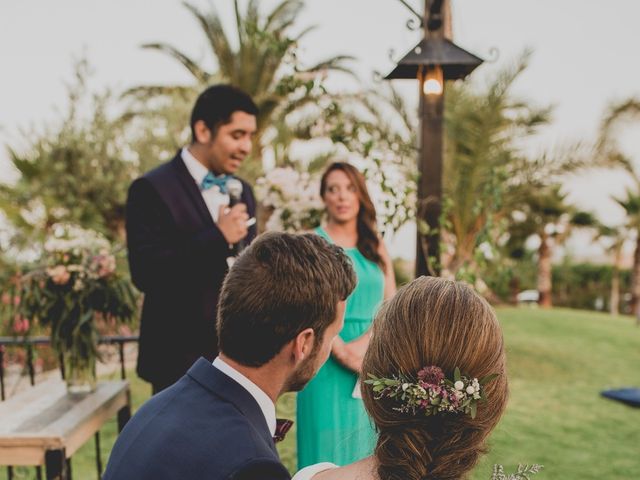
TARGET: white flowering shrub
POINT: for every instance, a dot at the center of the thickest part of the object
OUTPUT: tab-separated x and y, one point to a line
293	198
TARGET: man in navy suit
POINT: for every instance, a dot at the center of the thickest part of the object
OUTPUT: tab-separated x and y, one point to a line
281	306
179	233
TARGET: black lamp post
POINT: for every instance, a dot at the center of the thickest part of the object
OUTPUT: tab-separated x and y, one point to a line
432	61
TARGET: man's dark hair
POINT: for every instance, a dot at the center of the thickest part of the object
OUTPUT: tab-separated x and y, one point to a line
282	284
217	103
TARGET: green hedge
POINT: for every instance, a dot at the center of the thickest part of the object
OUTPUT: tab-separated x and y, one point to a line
575	285
587	286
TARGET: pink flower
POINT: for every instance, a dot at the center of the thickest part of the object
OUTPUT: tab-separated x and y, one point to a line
20	325
16	300
59	274
6	298
103	264
432	375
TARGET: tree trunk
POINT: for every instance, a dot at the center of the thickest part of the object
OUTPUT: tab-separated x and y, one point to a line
635	281
514	289
614	297
615	292
544	271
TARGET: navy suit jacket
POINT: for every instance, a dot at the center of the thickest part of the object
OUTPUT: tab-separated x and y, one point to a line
178	258
204	427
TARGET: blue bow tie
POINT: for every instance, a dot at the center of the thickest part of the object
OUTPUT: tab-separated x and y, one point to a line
210	180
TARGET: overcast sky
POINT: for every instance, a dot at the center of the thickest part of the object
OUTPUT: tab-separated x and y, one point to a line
585	56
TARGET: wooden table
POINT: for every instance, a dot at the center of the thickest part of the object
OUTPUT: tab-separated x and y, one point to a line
44	425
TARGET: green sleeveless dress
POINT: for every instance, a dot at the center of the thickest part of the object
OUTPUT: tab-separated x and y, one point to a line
333	426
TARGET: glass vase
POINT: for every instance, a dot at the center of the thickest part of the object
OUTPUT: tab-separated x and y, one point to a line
80	372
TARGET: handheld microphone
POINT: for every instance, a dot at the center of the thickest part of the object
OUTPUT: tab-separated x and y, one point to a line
234	189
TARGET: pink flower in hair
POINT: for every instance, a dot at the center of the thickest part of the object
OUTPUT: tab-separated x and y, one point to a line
431	375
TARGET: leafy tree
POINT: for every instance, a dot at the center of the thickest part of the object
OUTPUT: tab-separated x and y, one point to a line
72	172
263	63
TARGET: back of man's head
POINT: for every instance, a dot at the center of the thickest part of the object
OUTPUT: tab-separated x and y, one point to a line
280	285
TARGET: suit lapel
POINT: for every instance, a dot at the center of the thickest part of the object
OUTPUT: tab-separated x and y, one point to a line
191	189
225	387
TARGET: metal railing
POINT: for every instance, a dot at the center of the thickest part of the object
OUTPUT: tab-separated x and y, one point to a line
28	344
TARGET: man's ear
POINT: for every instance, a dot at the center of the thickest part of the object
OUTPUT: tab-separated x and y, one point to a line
303	344
202	132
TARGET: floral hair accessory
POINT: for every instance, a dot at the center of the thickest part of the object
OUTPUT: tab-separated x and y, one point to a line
432	393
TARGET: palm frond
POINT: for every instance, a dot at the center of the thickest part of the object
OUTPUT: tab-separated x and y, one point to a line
201	75
282	16
334	64
304	32
146	92
211	24
617	114
239	23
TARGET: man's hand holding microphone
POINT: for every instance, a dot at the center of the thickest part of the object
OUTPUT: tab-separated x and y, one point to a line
233	220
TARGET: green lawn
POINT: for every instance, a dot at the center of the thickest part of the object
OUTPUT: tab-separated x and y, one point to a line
559	361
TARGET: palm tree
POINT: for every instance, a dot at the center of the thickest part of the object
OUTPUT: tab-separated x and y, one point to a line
546	214
615	238
617	115
263	64
481	158
631	205
486	175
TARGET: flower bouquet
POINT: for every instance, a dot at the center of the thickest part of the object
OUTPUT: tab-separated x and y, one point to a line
75	283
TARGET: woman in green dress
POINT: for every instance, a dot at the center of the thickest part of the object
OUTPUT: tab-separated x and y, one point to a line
332	424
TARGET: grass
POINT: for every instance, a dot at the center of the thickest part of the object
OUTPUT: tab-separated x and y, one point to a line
559	361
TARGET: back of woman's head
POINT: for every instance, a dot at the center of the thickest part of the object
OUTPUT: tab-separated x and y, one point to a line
434	322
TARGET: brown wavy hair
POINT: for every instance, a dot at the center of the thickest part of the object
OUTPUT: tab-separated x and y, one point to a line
433	321
368	240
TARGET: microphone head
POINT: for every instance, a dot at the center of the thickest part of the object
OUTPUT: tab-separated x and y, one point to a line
234	187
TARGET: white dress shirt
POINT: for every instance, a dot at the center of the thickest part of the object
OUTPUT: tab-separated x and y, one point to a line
263	400
307	473
213	198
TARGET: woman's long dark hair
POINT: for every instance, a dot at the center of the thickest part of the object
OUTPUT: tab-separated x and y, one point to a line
368	240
